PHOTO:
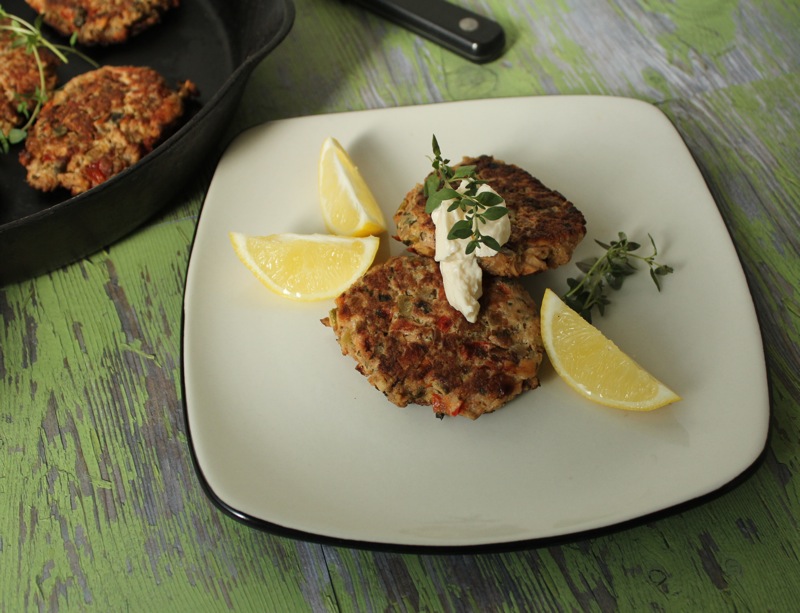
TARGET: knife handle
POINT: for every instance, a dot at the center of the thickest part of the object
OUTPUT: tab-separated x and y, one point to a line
466	33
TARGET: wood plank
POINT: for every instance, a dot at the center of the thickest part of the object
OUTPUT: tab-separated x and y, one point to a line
107	511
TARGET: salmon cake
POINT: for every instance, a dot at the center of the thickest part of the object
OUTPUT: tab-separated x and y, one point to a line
100	123
545	226
407	340
19	79
101	22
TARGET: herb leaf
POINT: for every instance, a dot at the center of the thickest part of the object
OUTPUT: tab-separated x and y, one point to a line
478	207
461	229
493	213
588	292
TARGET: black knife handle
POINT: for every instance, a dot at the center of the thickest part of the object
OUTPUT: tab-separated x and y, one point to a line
466	33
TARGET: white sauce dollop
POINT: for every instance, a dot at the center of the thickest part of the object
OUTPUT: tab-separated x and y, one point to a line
462	276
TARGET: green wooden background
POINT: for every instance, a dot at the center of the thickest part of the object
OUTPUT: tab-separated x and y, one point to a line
101	509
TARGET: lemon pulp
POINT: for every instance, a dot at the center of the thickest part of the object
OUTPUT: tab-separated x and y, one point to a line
306	267
348	206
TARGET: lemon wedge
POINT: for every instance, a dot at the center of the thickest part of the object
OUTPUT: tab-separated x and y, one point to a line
306	267
593	365
348	206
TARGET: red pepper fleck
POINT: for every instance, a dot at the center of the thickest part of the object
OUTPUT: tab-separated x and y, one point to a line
95	173
441	407
444	323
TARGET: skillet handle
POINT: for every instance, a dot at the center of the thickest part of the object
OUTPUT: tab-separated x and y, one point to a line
466	33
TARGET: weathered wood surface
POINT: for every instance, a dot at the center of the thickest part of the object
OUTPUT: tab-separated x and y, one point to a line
101	509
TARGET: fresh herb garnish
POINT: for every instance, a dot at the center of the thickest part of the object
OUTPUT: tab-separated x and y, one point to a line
588	291
30	37
478	207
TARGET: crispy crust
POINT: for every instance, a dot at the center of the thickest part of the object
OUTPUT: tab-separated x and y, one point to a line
19	78
100	22
98	124
545	226
415	348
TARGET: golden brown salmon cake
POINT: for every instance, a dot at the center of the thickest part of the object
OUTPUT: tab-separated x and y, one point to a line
101	22
19	78
545	226
100	123
415	348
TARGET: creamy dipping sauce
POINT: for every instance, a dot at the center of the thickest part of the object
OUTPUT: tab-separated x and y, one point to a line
462	276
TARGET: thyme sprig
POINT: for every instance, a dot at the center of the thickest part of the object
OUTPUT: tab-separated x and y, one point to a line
29	36
478	208
588	291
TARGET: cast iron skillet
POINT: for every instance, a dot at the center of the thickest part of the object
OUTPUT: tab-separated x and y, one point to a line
214	43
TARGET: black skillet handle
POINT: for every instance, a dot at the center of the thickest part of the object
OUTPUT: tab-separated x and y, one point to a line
466	33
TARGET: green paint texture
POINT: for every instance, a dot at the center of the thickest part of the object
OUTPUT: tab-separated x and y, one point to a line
706	27
88	459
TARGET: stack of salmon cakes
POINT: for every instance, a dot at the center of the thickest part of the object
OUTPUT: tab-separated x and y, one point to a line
413	346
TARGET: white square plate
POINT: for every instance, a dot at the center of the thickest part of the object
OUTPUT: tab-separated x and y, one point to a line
288	436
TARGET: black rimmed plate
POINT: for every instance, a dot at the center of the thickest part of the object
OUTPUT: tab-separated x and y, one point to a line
214	43
288	437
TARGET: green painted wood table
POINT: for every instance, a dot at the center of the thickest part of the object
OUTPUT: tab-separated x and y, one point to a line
101	506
